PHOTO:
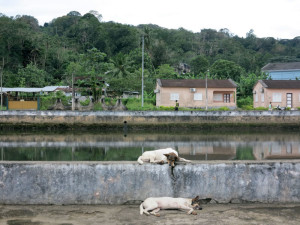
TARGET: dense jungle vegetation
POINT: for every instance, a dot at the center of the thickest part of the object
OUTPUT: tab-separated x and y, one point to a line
83	45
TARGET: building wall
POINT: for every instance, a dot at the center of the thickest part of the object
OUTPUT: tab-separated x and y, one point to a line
284	75
268	97
22	105
187	98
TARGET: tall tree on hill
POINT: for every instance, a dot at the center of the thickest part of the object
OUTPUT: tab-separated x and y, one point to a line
224	69
199	65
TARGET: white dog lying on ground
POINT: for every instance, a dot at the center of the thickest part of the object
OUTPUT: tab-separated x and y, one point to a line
155	204
161	156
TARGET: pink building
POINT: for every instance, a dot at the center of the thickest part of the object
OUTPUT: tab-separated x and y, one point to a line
285	93
192	93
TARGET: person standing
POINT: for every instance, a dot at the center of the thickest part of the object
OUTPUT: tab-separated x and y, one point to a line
176	105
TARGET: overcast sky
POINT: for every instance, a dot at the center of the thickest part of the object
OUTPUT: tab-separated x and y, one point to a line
268	18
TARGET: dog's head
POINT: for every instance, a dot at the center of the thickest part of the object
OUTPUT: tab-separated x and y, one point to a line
171	158
196	202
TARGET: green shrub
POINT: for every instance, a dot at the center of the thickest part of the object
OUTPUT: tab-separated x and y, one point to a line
98	107
85	102
49	100
247	107
223	108
167	108
135	104
260	108
245	103
110	101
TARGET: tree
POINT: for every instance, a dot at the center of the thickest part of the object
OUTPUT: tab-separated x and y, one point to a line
199	65
224	69
29	20
247	82
165	71
96	14
122	66
31	76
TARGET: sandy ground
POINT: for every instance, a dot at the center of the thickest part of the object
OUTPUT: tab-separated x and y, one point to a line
272	214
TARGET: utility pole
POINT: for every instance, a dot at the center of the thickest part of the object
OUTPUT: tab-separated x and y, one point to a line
1	81
206	98
73	93
1	87
142	71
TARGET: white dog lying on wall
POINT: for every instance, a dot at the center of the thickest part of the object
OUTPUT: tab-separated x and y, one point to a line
156	204
161	156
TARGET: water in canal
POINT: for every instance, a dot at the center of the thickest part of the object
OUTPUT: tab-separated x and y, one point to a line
120	147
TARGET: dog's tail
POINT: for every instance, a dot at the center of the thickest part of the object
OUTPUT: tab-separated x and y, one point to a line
141	209
140	161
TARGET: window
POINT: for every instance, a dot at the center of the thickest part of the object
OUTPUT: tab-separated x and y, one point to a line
226	98
256	97
198	96
174	96
218	97
276	97
262	97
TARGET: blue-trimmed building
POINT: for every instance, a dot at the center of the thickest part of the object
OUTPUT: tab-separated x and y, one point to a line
283	71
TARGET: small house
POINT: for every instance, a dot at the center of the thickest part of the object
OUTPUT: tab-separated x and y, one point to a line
21	98
196	93
282	71
283	93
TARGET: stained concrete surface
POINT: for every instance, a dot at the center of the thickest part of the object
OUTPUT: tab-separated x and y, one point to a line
70	183
273	214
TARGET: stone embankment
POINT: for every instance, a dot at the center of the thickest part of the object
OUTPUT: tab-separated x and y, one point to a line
148	119
127	182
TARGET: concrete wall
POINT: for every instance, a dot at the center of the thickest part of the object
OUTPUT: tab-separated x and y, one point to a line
147	118
186	97
118	183
268	97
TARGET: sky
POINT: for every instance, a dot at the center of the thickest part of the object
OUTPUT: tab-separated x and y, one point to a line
267	18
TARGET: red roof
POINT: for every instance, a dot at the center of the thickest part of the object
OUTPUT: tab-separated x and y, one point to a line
197	83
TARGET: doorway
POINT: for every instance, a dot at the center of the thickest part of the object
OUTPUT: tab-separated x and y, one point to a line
289	100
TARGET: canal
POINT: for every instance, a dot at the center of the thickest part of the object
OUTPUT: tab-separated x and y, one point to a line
84	146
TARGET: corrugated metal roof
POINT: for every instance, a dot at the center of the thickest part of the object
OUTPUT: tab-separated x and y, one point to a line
281	66
21	89
31	90
194	83
53	88
281	84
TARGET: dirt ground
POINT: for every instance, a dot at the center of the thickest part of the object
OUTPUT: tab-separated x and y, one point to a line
272	214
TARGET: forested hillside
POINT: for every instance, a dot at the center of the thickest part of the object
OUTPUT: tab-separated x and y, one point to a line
36	56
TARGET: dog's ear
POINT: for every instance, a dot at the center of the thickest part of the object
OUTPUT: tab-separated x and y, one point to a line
196	198
167	155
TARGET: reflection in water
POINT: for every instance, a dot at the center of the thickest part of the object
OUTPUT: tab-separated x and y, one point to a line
116	147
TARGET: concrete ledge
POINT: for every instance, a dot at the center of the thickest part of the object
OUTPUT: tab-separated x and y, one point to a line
147	119
121	182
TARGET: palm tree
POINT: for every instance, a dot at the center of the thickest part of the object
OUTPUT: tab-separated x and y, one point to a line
122	66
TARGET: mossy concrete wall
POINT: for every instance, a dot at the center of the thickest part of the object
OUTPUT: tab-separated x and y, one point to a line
127	182
147	118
